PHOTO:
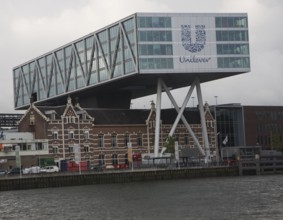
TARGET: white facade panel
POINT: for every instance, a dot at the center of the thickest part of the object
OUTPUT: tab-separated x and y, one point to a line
194	47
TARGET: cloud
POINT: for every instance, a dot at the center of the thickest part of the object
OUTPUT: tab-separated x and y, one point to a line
31	28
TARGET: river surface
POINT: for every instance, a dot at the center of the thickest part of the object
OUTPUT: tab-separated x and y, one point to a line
249	197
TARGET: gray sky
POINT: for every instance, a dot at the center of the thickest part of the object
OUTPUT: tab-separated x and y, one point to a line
31	28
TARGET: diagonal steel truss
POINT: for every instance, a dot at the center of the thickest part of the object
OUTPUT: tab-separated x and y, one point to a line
77	64
196	84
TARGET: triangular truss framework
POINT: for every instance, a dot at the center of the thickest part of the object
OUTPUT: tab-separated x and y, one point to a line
96	58
196	84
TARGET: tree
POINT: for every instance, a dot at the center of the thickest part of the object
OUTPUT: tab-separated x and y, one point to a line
276	143
170	145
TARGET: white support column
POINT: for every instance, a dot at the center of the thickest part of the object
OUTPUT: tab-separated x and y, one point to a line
157	117
180	112
183	119
203	124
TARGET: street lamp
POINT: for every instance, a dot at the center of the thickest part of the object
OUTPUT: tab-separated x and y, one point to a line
216	99
193	101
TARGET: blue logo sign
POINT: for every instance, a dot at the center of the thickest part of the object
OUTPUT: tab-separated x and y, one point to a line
200	34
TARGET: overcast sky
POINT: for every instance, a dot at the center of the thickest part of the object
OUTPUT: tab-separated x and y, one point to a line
31	28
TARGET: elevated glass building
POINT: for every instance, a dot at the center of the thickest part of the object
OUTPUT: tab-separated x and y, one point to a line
122	61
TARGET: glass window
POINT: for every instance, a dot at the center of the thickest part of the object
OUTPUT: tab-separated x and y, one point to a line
128	25
101	159
114	159
55	135
113	140
86	134
100	140
139	139
232	36
86	148
71	149
156	63
155	36
126	139
154	22
54	150
231	22
71	135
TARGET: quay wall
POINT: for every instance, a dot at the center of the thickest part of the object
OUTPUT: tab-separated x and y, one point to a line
62	180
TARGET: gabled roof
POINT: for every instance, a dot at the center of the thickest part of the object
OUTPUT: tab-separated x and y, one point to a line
123	116
168	116
138	116
118	116
35	108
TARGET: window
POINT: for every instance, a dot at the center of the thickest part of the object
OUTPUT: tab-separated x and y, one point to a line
55	150
86	134
86	148
39	146
139	139
235	22
186	139
145	36
31	119
55	135
155	49
156	63
53	116
113	140
126	139
71	135
100	140
155	22
232	36
114	159
71	149
101	159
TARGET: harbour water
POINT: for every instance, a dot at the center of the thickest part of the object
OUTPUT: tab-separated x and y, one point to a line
248	197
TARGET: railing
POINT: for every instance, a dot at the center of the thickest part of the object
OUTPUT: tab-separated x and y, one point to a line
265	165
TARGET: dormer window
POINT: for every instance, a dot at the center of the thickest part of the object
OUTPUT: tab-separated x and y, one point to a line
84	116
31	119
53	116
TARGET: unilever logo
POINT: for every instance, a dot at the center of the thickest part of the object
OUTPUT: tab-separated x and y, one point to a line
193	47
187	38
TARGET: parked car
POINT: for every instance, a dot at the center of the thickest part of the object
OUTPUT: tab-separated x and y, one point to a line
15	170
35	169
2	172
49	169
26	171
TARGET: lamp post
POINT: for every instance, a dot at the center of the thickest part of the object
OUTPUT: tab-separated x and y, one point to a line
193	101
216	99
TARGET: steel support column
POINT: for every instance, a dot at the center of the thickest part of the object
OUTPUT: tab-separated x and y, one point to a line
183	118
203	124
157	117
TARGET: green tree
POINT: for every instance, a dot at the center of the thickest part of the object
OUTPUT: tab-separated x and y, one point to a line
276	143
170	145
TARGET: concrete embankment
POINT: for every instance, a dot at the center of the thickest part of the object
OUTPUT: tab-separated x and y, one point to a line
62	180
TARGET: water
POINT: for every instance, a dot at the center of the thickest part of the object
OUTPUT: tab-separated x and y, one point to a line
252	197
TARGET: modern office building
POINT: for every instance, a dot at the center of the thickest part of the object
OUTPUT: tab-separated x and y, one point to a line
248	127
264	126
126	58
138	56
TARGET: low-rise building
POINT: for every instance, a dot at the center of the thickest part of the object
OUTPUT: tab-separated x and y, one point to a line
103	135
